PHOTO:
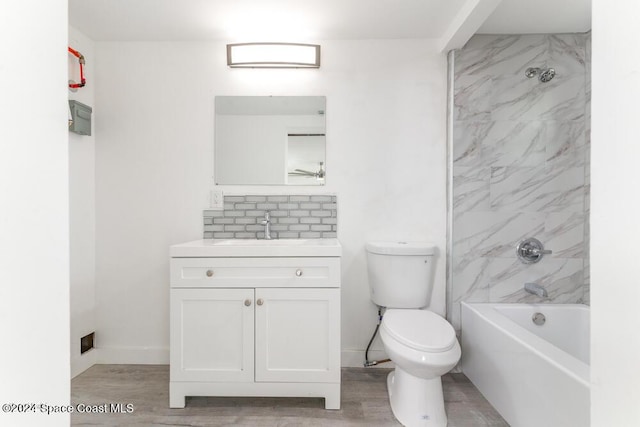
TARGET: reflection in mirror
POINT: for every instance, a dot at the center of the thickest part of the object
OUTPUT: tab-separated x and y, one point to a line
270	140
303	153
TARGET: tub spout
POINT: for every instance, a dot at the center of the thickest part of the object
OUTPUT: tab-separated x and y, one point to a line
534	288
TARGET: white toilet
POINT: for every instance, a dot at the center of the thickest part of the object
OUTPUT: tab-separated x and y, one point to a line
422	344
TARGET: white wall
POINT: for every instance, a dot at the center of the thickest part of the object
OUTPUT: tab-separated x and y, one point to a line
82	211
615	226
386	161
34	209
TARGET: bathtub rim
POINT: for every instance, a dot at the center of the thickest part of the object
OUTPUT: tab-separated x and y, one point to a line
569	364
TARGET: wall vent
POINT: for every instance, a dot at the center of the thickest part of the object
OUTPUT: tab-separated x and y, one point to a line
86	342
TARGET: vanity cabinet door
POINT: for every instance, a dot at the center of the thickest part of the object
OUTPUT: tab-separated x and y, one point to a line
212	335
297	335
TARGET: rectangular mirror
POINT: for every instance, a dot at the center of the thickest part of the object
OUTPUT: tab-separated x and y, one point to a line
270	140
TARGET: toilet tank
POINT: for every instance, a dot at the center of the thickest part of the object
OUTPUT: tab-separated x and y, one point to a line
401	273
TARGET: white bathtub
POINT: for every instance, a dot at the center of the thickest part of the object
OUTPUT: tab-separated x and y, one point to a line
533	375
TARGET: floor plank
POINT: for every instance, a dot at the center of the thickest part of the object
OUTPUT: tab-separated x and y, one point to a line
364	402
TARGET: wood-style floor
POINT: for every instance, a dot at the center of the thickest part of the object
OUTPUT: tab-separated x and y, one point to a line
364	402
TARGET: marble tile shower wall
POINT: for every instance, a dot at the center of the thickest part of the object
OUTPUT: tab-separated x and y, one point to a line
292	217
520	168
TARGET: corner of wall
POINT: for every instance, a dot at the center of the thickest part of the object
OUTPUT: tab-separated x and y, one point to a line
82	211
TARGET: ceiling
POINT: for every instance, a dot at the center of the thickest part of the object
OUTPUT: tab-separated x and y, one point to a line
539	16
305	20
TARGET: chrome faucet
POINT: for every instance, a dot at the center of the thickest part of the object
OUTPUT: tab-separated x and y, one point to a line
534	288
267	225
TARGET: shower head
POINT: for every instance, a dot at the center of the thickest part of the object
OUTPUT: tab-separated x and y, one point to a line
544	75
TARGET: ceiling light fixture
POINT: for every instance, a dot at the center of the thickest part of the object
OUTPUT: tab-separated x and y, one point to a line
273	55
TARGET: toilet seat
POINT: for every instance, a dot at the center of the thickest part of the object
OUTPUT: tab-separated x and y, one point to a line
421	330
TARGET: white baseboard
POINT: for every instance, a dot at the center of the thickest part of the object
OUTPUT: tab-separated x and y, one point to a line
133	355
160	356
82	362
457	369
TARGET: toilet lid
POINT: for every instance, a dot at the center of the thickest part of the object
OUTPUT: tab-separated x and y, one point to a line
401	248
419	329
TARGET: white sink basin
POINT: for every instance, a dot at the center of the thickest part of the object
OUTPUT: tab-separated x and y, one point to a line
259	242
257	248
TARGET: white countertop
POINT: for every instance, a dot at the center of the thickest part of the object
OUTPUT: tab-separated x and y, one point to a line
257	248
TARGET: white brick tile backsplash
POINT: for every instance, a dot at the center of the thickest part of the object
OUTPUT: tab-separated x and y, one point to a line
292	217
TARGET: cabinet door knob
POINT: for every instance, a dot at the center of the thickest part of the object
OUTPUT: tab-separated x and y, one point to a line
298	272
209	273
247	302
260	301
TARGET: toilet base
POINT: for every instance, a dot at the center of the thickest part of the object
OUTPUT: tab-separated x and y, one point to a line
416	401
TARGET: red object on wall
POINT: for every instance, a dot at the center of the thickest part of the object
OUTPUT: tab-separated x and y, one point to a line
83	81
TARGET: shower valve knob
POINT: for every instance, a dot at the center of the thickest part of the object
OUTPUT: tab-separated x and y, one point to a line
531	250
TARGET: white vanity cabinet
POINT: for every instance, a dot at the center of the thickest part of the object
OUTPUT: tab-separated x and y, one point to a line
211	335
255	325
